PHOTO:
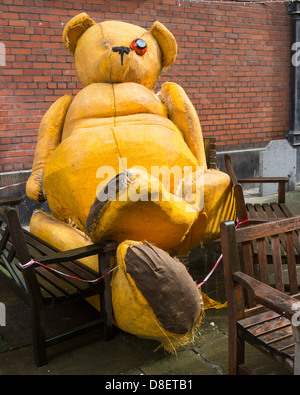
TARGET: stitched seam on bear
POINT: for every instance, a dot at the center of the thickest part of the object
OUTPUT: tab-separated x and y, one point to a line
114	99
108	49
112	129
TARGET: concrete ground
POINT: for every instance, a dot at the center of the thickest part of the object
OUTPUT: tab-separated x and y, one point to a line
127	354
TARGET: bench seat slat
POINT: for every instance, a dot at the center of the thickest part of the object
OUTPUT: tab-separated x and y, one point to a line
273	336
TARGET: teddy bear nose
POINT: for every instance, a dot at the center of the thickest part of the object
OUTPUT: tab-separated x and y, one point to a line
121	51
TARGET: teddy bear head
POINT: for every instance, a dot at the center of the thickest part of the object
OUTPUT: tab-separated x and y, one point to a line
115	51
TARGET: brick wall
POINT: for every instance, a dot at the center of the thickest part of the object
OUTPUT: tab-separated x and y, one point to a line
233	61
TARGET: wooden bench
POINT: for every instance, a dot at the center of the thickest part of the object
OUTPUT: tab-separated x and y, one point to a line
210	152
258	313
258	212
42	288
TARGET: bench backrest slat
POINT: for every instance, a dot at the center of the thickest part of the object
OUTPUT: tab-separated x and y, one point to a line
17	236
277	262
13	251
8	252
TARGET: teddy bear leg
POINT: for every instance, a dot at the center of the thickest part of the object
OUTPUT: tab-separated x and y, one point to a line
60	235
64	237
136	206
150	291
218	205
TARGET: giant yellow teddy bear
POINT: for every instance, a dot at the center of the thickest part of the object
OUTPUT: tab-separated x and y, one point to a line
107	162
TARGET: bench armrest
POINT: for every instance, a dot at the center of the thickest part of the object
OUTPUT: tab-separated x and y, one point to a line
262	180
270	297
254	221
78	253
281	181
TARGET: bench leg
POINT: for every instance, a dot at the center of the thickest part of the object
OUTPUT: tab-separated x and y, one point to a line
38	334
105	296
296	336
236	352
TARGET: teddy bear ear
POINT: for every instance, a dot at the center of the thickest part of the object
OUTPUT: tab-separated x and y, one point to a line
74	29
166	42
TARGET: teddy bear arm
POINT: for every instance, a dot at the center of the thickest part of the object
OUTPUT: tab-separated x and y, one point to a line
183	114
49	137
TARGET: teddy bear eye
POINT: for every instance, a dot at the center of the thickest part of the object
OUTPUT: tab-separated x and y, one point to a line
139	46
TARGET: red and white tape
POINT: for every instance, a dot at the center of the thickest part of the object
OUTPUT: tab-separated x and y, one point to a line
13	185
31	262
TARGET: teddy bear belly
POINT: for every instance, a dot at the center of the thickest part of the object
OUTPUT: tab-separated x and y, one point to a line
126	122
84	161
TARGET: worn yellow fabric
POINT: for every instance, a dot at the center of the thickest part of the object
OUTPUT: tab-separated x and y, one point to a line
132	312
49	137
209	303
74	29
118	126
163	222
166	42
183	114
